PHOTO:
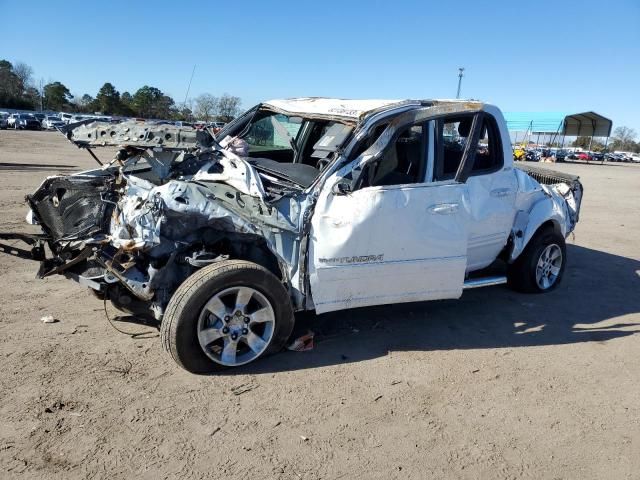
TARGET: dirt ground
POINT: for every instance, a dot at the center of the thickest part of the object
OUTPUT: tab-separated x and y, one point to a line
495	385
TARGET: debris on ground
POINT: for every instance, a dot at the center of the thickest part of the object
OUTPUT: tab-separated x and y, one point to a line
55	407
303	343
243	388
48	319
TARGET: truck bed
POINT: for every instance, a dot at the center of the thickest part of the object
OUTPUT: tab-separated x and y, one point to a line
547	176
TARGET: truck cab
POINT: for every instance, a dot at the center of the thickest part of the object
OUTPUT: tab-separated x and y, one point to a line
434	200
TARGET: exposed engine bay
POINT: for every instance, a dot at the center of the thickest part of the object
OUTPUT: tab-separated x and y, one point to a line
174	199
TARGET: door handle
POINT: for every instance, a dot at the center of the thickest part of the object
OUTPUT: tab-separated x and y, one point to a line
500	192
443	208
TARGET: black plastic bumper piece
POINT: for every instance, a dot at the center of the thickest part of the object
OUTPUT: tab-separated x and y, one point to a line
34	240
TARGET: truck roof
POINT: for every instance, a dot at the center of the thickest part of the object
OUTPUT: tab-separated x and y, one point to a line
347	108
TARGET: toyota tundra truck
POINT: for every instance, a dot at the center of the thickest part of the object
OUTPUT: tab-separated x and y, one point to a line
299	204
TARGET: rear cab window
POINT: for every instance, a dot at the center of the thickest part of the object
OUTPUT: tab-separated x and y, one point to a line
452	137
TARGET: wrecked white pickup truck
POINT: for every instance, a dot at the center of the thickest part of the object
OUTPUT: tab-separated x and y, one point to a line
299	204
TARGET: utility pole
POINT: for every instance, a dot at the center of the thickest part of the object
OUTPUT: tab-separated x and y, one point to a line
41	94
460	75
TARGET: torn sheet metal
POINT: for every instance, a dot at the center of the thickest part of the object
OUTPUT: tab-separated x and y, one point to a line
234	172
136	134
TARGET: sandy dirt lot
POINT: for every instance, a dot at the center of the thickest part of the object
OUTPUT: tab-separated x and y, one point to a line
495	385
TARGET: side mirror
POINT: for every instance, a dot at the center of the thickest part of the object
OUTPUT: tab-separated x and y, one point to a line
341	188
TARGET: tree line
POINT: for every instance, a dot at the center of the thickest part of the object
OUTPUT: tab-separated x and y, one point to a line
18	91
623	139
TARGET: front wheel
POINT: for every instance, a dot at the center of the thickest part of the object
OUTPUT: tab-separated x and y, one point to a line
226	315
540	267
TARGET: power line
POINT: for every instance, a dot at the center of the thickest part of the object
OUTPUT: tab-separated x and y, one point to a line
189	87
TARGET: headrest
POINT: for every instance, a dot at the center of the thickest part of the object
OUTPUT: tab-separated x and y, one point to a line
464	127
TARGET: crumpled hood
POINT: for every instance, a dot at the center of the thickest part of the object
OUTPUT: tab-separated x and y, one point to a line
164	146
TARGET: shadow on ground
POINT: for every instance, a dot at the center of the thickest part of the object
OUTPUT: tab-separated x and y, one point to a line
597	287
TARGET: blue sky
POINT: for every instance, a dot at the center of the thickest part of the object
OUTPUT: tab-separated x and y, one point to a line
523	56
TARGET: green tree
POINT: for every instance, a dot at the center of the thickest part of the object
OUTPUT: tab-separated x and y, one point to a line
56	96
126	104
126	99
108	99
87	103
150	102
582	142
32	96
12	88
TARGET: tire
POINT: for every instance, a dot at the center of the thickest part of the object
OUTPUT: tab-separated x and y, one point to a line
186	320
522	274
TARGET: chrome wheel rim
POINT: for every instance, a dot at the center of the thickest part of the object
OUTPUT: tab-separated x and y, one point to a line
236	326
548	266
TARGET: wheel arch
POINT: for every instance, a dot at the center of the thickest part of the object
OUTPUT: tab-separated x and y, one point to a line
256	250
544	214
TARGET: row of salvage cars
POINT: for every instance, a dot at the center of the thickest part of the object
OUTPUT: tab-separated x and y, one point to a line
301	204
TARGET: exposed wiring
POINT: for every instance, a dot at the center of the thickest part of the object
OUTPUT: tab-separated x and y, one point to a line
130	334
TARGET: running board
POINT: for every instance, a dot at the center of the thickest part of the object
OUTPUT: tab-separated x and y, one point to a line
484	282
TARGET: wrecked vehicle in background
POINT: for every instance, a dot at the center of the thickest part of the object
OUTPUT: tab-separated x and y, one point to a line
299	204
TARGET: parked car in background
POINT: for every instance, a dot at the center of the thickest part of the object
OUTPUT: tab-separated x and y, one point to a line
78	118
519	153
560	155
4	124
627	156
577	155
598	156
24	121
11	119
66	117
532	156
39	116
50	122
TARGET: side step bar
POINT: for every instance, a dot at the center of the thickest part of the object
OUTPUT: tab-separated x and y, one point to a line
484	282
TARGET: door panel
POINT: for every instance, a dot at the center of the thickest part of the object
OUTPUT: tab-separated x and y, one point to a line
492	196
491	216
384	245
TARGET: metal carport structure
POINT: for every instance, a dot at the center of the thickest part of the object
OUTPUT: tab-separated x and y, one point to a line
586	124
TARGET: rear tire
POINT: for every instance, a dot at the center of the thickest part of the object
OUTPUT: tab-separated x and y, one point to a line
225	315
540	267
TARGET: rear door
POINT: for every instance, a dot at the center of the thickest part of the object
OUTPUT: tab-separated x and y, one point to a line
491	184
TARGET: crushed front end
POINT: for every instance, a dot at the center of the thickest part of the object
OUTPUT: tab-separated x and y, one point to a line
171	201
